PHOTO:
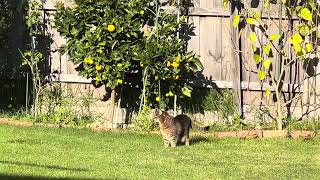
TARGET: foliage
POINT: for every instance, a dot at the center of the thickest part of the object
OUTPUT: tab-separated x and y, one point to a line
312	124
144	120
65	106
222	102
270	51
5	16
113	40
33	57
57	106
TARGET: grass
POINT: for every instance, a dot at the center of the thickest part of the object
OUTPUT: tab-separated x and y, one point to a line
80	154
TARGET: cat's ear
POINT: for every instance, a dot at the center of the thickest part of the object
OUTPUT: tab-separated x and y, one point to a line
158	112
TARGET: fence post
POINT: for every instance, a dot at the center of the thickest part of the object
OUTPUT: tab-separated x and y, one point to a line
237	61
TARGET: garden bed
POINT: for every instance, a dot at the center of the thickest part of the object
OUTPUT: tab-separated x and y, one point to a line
266	134
243	134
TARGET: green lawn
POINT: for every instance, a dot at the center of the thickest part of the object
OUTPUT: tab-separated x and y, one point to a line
81	154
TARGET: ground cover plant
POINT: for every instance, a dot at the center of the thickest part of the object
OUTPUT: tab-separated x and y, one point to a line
71	153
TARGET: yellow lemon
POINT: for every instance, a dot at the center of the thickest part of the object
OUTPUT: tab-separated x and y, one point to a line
176	77
88	60
168	64
170	93
111	28
141	12
175	64
178	59
98	78
158	99
99	67
119	81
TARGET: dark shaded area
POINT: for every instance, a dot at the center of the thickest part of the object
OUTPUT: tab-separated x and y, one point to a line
54	167
199	139
13	76
18	177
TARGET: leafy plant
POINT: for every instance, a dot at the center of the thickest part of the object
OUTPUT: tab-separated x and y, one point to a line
144	120
222	102
33	57
270	53
312	124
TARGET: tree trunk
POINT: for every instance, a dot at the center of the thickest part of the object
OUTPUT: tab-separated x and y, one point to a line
113	97
279	115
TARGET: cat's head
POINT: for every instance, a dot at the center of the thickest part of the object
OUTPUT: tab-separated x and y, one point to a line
159	114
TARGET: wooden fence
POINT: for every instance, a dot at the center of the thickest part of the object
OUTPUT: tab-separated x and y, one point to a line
215	40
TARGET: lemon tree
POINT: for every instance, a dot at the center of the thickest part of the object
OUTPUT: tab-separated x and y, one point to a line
110	40
270	50
102	37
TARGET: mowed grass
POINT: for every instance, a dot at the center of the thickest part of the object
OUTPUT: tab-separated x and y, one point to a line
80	154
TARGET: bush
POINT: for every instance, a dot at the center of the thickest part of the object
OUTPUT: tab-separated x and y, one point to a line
145	121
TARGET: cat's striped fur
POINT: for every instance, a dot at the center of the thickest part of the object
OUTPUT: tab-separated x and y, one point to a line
174	130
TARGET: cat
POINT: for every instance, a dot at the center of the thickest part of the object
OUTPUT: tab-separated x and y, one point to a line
174	130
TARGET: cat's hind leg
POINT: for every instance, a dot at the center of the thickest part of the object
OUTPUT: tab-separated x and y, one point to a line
186	138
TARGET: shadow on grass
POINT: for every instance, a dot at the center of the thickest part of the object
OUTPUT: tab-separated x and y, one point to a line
199	139
42	166
18	177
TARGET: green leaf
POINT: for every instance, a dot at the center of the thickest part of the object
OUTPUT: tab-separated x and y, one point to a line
253	38
309	47
297	48
254	48
262	75
306	14
257	58
186	91
266	3
296	39
251	21
304	30
236	21
268	92
267	49
257	15
225	3
266	64
274	37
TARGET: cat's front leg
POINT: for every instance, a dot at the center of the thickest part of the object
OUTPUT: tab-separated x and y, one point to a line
174	143
166	143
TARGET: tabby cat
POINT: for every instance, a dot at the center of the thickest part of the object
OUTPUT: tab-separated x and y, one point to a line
174	130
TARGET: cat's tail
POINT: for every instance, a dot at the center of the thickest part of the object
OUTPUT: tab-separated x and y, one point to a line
199	128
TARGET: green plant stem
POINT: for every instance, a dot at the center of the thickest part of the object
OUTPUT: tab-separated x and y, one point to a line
143	95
